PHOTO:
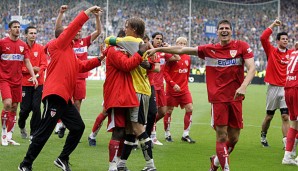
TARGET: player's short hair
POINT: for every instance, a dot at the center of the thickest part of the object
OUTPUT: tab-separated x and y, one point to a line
155	34
224	21
137	24
12	22
121	33
29	27
281	34
181	38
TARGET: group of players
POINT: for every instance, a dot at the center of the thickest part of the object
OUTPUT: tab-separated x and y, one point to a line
134	95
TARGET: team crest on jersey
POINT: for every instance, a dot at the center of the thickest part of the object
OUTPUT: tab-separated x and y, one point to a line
53	112
35	54
186	63
81	43
21	48
233	53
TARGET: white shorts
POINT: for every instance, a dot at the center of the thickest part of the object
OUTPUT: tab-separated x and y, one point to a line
275	98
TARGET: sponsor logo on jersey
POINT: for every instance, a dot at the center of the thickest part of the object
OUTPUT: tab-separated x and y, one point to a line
81	43
21	48
80	50
233	53
12	57
213	62
35	54
181	71
7	48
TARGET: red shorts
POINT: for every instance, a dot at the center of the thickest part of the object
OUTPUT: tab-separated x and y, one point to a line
227	114
291	97
80	90
116	118
160	97
11	92
181	100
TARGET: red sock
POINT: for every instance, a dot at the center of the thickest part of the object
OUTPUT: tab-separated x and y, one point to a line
11	121
187	120
4	115
120	148
113	149
98	122
230	147
291	139
167	121
222	154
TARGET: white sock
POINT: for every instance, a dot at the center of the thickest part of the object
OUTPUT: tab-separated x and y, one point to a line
185	133
287	155
153	135
167	133
150	163
216	161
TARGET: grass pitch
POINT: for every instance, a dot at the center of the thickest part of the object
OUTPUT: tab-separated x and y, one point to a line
248	155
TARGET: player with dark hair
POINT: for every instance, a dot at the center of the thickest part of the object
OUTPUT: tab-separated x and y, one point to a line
226	86
31	96
80	47
13	54
177	92
57	94
277	58
158	82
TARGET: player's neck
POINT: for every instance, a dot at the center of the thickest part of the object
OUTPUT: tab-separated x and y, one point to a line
30	43
224	43
13	38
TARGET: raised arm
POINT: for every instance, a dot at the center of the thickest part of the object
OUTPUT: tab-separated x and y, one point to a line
58	23
97	32
174	50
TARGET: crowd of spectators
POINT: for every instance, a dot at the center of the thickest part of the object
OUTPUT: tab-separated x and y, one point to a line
171	17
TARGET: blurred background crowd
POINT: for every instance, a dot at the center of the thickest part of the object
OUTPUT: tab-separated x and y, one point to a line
170	17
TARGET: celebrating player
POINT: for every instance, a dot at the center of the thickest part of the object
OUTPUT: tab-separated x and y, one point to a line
276	77
80	47
226	86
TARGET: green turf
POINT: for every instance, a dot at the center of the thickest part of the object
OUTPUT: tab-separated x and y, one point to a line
248	155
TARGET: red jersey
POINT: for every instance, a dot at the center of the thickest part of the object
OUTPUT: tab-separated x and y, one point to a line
12	55
292	71
37	58
62	71
277	61
224	68
151	74
81	49
177	72
158	77
118	89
